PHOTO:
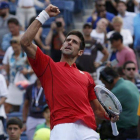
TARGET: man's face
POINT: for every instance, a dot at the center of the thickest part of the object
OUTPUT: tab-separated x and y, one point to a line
115	43
130	71
14	29
16	47
14	132
102	24
117	26
71	46
46	114
100	6
60	19
121	7
3	12
87	30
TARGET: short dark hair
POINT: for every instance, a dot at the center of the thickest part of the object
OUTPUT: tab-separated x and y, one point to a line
127	62
109	71
14	121
78	34
96	1
13	20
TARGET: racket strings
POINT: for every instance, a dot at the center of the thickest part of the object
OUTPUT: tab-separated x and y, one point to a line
108	101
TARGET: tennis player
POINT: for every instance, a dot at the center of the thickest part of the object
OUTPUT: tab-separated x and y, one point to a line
69	92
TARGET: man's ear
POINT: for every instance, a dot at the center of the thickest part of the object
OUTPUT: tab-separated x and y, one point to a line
80	52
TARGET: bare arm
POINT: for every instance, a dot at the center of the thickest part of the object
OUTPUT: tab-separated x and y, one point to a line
2	100
100	112
50	34
113	3
25	110
29	35
38	39
49	37
106	54
61	36
98	109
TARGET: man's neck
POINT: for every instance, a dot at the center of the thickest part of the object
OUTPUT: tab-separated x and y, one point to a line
121	47
87	38
98	30
68	60
130	79
123	13
48	123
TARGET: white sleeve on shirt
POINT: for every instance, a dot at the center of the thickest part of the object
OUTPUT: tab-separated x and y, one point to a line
3	87
8	53
127	37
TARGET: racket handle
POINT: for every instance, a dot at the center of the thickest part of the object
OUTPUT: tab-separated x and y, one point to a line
114	129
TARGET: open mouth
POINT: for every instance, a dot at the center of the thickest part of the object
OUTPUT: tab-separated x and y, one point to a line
68	48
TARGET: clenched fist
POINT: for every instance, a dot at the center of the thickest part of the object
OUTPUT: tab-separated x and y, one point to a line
52	10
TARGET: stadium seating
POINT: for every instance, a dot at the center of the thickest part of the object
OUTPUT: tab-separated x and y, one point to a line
15	114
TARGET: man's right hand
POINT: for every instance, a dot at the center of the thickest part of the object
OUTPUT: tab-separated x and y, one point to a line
52	10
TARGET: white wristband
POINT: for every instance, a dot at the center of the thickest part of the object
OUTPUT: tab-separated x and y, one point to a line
43	16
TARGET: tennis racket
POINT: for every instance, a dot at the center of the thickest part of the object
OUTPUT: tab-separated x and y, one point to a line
110	103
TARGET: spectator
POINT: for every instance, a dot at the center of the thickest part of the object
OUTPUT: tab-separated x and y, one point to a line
3	96
86	62
127	17
111	6
133	5
127	93
56	37
16	63
14	29
26	10
139	121
46	115
127	37
33	104
124	53
4	17
117	24
137	32
100	13
99	34
129	70
14	128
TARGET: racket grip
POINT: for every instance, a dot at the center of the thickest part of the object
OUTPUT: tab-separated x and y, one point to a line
114	129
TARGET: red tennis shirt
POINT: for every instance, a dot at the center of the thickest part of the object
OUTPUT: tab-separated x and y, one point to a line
68	91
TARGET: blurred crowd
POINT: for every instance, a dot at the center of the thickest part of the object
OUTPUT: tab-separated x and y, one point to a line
112	39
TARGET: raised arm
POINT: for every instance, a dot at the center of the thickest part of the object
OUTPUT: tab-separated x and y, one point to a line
29	35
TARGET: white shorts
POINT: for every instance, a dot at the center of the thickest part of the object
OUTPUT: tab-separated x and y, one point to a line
73	131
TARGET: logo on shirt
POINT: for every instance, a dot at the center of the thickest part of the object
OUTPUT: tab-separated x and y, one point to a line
81	72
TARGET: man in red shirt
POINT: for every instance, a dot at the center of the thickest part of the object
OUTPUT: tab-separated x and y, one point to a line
69	92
